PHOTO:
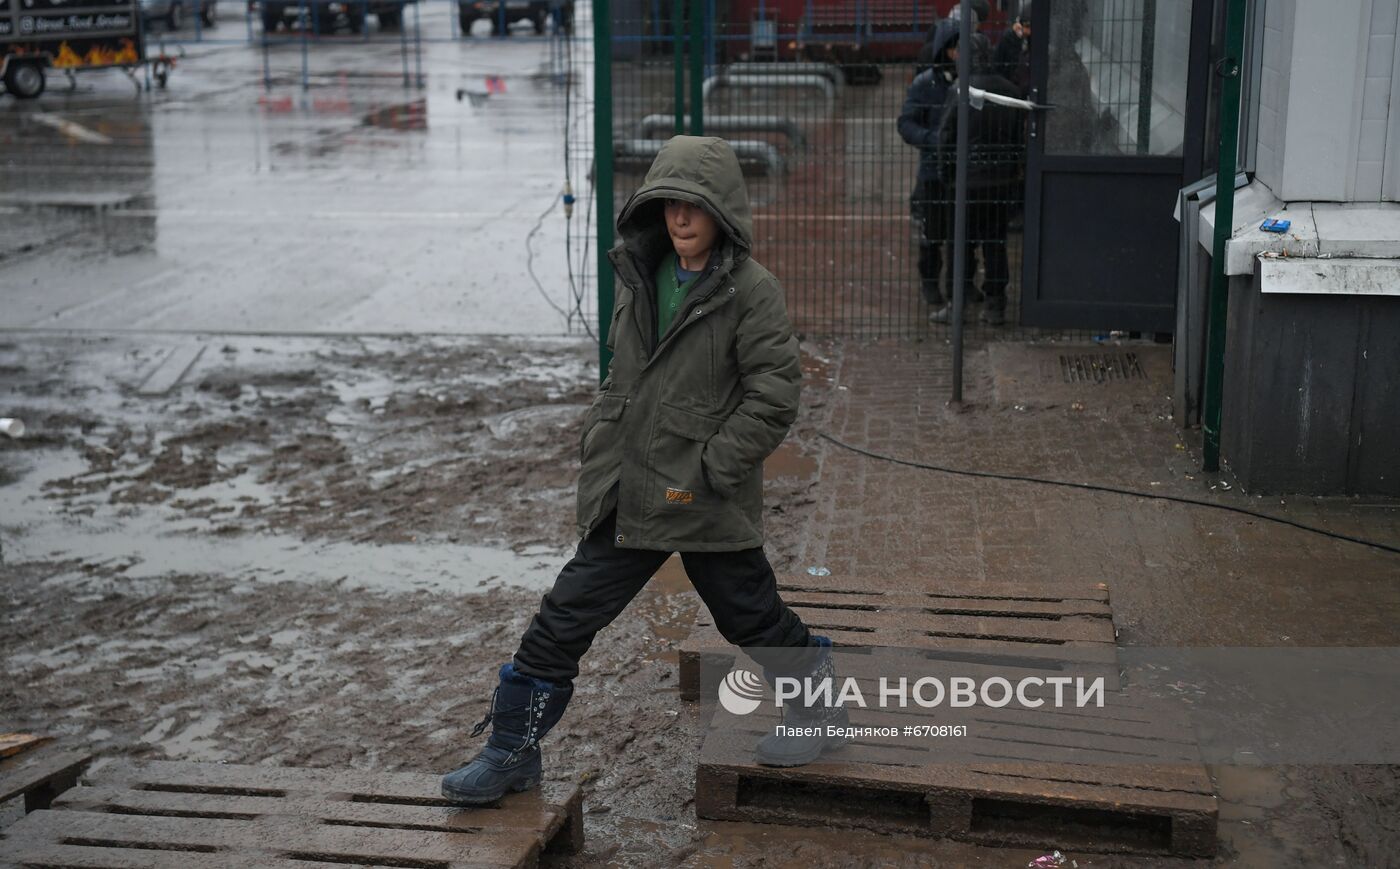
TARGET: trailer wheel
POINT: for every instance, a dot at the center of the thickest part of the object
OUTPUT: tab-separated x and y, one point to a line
24	81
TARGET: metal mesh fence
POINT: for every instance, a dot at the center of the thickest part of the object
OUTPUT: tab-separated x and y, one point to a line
839	112
847	149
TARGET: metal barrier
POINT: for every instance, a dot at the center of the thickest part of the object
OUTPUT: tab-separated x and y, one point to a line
721	124
828	70
732	80
748	151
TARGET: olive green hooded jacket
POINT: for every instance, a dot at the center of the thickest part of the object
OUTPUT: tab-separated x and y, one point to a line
678	433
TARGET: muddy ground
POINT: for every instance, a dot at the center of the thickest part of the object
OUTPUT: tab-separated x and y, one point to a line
316	552
353	447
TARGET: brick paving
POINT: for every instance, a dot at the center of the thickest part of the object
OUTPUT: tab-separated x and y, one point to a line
1179	575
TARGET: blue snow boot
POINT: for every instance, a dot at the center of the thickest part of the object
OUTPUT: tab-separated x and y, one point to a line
523	709
779	749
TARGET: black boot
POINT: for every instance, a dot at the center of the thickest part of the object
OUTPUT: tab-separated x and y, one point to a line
778	749
523	709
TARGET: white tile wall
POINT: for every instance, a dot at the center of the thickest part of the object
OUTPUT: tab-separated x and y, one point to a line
1273	91
1376	100
1329	100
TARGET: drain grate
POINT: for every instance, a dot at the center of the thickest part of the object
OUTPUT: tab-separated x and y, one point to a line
1100	367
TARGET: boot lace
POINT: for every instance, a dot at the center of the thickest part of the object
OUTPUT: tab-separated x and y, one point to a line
490	711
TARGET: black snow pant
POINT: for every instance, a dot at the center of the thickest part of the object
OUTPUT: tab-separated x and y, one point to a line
739	589
933	203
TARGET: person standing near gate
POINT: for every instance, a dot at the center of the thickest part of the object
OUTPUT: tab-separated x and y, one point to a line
996	151
703	386
1012	58
931	202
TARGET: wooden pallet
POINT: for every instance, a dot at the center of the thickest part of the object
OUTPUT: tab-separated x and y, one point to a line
1000	624
1135	783
175	814
38	768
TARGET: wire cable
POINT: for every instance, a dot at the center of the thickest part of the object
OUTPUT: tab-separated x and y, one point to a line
530	259
1113	490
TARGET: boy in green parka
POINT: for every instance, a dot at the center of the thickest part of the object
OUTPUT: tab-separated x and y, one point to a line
703	386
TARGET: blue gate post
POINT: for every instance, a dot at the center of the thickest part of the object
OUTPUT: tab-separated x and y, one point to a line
603	165
403	49
417	43
305	60
678	62
697	67
960	259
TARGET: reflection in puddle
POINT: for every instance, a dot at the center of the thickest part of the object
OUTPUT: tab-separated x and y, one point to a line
145	552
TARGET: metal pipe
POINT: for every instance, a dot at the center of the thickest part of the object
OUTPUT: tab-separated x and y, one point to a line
1146	61
830	70
1227	68
603	173
718	124
678	62
750	150
697	68
724	79
960	263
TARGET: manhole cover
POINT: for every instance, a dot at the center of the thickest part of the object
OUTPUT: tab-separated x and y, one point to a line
1100	367
1040	375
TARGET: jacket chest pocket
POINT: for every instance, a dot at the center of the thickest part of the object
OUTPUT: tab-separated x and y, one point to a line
694	366
607	411
677	459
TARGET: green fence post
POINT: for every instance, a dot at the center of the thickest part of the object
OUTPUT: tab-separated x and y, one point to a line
603	173
678	61
697	67
1229	69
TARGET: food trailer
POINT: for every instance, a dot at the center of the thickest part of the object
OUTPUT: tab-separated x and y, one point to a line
68	35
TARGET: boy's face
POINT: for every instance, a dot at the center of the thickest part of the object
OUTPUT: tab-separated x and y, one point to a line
692	230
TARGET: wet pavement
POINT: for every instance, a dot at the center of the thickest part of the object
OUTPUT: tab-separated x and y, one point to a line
356	205
335	589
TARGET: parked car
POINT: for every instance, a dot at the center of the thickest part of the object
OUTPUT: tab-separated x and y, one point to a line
173	12
327	15
534	11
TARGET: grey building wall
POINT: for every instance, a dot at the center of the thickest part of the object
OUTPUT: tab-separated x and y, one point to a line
1328	96
1312	392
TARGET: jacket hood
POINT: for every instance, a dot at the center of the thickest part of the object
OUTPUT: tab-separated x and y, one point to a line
702	170
947	33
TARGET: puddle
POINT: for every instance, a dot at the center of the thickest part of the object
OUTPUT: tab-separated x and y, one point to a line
159	541
788	461
668	606
394	567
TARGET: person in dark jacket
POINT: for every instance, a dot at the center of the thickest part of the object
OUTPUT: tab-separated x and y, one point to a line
996	150
703	386
1012	57
919	122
